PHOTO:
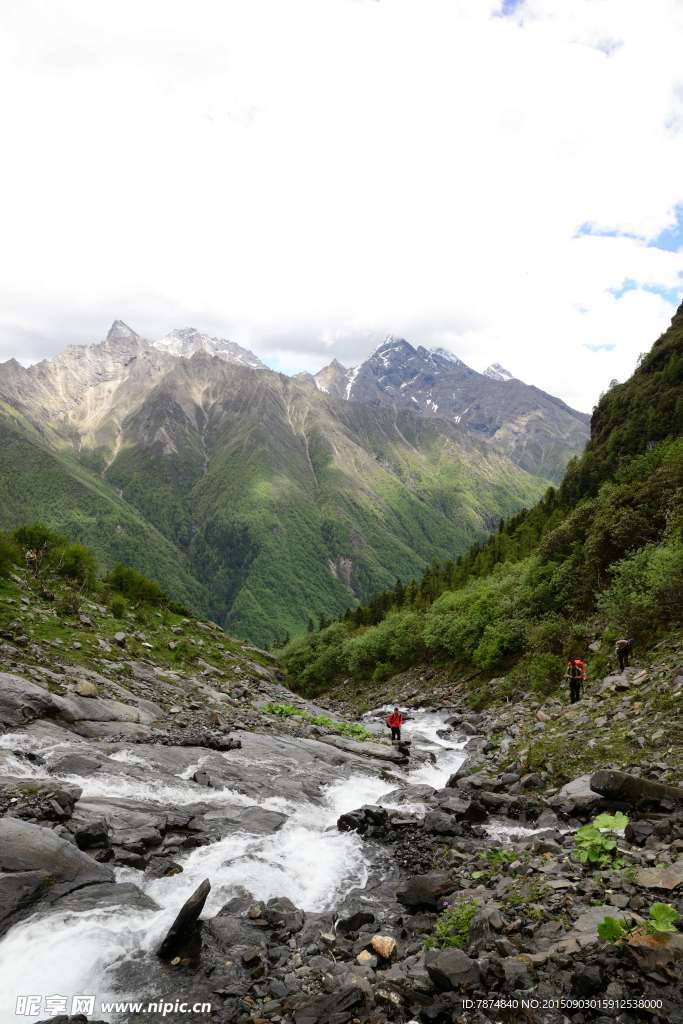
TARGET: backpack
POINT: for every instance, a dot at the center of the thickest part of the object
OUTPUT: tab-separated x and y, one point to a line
575	671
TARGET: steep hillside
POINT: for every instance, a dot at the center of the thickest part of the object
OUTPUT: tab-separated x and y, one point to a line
259	499
536	431
290	504
39	478
599	557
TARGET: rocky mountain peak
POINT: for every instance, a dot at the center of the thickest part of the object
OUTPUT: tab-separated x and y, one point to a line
184	342
120	331
497	372
443	353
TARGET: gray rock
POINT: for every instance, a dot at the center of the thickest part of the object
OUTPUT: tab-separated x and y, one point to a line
425	892
339	1007
182	928
22	701
282	914
36	863
621	786
577	796
451	970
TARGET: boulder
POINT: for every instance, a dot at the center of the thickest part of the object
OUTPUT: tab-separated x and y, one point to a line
379	751
668	877
183	927
196	736
362	819
38	799
425	892
107	894
384	946
340	1007
355	919
22	701
620	786
36	863
84	688
282	914
577	797
439	824
451	970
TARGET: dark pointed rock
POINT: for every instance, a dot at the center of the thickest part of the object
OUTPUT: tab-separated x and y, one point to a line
182	929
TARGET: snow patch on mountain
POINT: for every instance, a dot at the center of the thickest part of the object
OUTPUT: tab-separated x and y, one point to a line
186	341
497	372
352	380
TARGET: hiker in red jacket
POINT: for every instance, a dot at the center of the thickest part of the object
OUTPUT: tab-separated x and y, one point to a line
395	721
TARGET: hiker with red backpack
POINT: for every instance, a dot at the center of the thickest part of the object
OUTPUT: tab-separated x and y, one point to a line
395	721
576	674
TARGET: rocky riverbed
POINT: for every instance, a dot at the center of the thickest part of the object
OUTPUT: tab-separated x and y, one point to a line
314	872
177	826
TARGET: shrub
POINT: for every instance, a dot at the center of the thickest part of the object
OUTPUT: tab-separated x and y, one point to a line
136	587
393	642
646	588
118	606
68	604
9	555
37	536
41	542
77	562
542	673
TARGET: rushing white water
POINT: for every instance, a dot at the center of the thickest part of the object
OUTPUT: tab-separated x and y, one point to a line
307	860
156	791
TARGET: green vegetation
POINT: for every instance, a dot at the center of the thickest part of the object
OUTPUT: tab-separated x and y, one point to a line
39	477
277	509
45	553
660	922
49	614
603	553
351	729
595	849
498	859
452	926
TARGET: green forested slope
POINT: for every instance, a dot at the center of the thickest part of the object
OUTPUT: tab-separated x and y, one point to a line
603	552
253	497
39	483
290	505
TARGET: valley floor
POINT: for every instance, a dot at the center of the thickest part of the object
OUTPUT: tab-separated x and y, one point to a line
349	880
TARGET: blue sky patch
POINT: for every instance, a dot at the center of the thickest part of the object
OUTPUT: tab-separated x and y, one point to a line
671	238
600	346
671	295
509	7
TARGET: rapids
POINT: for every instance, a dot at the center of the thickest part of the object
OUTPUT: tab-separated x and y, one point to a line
78	953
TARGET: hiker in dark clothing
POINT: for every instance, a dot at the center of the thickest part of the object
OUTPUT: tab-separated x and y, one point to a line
622	649
576	674
395	721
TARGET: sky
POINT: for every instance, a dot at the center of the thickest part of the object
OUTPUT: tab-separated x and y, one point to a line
503	178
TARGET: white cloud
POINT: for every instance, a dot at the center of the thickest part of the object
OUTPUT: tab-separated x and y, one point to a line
305	176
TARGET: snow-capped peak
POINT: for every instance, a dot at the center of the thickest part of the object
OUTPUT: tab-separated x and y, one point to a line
445	354
395	342
185	341
497	372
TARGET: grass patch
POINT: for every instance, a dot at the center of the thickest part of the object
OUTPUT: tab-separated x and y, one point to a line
452	926
352	729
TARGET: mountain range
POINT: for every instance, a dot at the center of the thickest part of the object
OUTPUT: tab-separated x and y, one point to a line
265	500
538	432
